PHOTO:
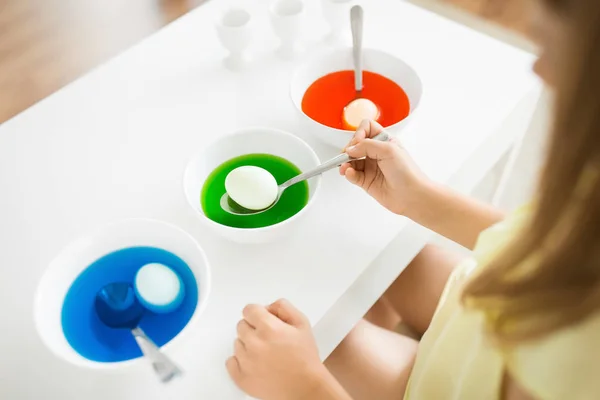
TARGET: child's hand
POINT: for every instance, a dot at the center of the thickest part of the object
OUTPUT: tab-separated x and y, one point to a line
275	354
388	173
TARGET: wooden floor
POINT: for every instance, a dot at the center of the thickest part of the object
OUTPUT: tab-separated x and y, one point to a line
45	44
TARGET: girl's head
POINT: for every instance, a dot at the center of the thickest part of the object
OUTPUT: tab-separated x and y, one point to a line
549	277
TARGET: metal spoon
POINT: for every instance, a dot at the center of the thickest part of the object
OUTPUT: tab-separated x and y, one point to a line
118	307
232	207
356	24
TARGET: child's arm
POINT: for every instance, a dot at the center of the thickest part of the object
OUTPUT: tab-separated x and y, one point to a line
451	214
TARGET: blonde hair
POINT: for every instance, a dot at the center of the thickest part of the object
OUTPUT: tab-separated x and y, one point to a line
548	278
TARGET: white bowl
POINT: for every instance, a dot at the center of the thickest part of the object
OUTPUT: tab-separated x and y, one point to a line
248	141
78	255
341	59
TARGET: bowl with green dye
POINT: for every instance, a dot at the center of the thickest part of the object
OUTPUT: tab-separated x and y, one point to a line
281	153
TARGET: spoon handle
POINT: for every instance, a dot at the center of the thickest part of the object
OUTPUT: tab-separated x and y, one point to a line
330	164
326	166
356	24
163	366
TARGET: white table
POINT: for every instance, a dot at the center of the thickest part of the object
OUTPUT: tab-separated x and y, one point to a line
113	145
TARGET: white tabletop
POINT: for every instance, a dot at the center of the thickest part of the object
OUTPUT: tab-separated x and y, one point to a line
114	144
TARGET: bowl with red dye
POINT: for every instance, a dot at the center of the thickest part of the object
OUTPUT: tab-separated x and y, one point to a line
323	87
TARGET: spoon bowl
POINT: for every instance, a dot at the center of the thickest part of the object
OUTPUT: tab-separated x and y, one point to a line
118	307
229	205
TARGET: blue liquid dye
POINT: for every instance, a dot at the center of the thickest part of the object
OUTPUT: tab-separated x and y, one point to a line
95	341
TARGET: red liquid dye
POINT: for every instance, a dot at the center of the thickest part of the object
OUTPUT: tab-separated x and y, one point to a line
325	99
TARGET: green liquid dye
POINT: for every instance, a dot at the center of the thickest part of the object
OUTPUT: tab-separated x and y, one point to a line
292	200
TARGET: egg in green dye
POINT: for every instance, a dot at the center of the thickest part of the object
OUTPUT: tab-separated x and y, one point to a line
291	202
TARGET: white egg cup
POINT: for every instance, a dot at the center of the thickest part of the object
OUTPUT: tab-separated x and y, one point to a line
337	15
287	18
234	30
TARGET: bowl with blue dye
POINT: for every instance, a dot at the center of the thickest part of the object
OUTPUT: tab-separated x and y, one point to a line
64	312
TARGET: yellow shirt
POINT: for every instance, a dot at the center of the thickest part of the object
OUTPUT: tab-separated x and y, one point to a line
456	361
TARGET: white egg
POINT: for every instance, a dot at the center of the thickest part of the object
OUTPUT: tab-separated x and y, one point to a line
251	187
157	284
358	110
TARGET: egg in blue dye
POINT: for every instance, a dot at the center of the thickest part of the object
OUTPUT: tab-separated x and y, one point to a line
95	341
159	288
